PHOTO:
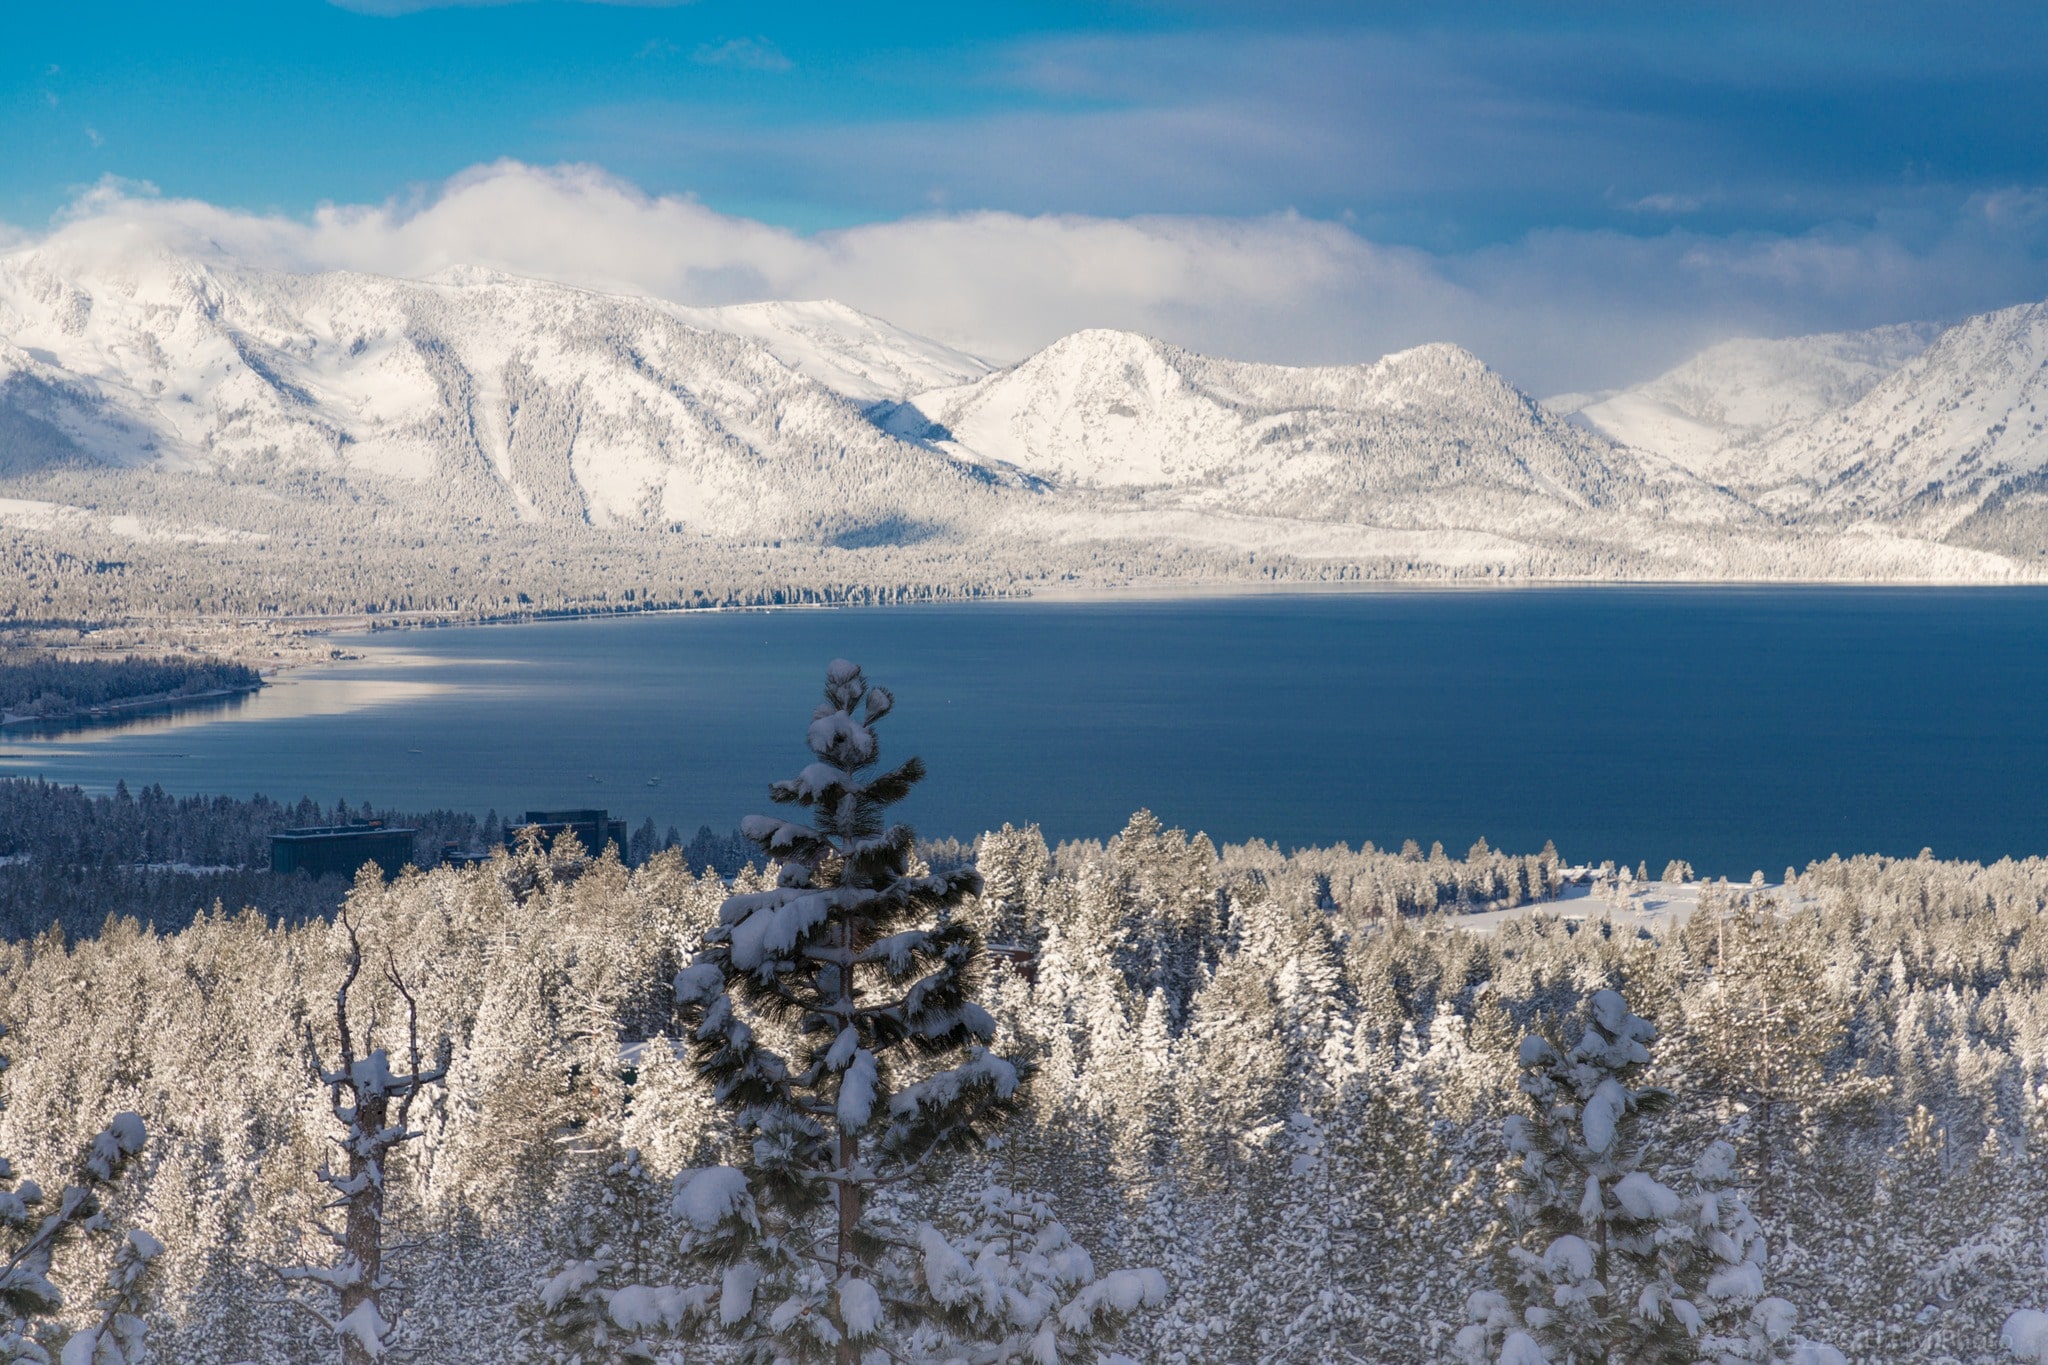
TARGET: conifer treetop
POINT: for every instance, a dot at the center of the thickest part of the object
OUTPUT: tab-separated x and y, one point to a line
832	1015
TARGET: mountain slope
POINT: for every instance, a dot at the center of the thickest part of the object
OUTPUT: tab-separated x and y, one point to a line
1704	413
1426	434
1937	432
1961	427
502	397
850	353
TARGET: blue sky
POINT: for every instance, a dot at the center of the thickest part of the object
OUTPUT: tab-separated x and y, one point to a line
1738	166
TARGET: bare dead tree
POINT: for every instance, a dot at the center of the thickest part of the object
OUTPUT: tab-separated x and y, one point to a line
374	1106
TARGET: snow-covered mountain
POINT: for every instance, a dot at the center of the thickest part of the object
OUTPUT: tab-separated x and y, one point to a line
1425	434
153	398
1702	414
490	395
1960	427
499	397
1916	426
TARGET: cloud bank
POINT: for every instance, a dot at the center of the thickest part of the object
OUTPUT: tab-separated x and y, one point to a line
1555	310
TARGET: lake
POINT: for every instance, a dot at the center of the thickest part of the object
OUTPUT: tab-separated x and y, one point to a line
1736	728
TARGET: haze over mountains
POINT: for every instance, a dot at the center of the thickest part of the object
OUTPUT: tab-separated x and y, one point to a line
154	399
1940	431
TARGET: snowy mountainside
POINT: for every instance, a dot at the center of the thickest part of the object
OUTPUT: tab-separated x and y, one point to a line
849	352
1960	429
1700	414
347	425
1939	433
1424	434
510	398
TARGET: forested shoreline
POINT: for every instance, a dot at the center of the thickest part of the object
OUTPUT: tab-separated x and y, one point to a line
1279	1078
45	688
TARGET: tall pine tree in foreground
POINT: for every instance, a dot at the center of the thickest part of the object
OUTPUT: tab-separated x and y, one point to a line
832	1015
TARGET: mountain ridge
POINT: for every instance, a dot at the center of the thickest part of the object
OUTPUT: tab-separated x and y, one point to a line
156	399
1922	427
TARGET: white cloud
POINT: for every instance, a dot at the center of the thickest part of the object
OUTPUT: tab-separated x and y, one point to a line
1667	203
1556	310
748	54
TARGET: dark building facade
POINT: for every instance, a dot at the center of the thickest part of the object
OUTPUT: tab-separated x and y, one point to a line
593	828
341	850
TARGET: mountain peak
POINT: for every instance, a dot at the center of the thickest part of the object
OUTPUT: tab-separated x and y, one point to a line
1108	409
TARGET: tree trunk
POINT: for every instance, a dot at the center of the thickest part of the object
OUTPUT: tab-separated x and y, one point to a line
849	1144
363	1233
849	1221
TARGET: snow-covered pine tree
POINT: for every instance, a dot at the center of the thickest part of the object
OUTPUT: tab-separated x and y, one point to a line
1723	1271
1582	1224
1605	1263
577	1318
118	1335
36	1228
1011	1281
832	1016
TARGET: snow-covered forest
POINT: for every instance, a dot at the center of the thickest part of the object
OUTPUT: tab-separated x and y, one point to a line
1280	1079
50	689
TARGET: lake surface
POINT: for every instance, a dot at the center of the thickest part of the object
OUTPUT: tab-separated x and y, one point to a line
1736	728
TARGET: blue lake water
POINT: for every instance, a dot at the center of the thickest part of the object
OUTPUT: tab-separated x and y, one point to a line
1736	728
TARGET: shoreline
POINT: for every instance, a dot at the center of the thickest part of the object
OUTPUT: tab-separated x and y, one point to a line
1158	591
156	701
303	630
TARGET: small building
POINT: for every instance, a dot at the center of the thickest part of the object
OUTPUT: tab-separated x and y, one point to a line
341	850
593	829
1021	957
453	855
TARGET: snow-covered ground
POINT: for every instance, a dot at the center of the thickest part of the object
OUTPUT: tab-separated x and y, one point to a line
1647	905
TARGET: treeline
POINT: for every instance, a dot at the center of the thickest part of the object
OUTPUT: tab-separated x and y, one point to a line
71	861
45	823
305	544
51	689
1263	1073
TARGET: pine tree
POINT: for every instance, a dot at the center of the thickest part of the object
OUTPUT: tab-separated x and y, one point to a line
578	1319
1602	1261
1739	1323
118	1335
37	1229
1012	1281
1582	1217
1759	1036
832	1016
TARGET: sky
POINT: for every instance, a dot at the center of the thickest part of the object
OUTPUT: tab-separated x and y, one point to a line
1583	193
